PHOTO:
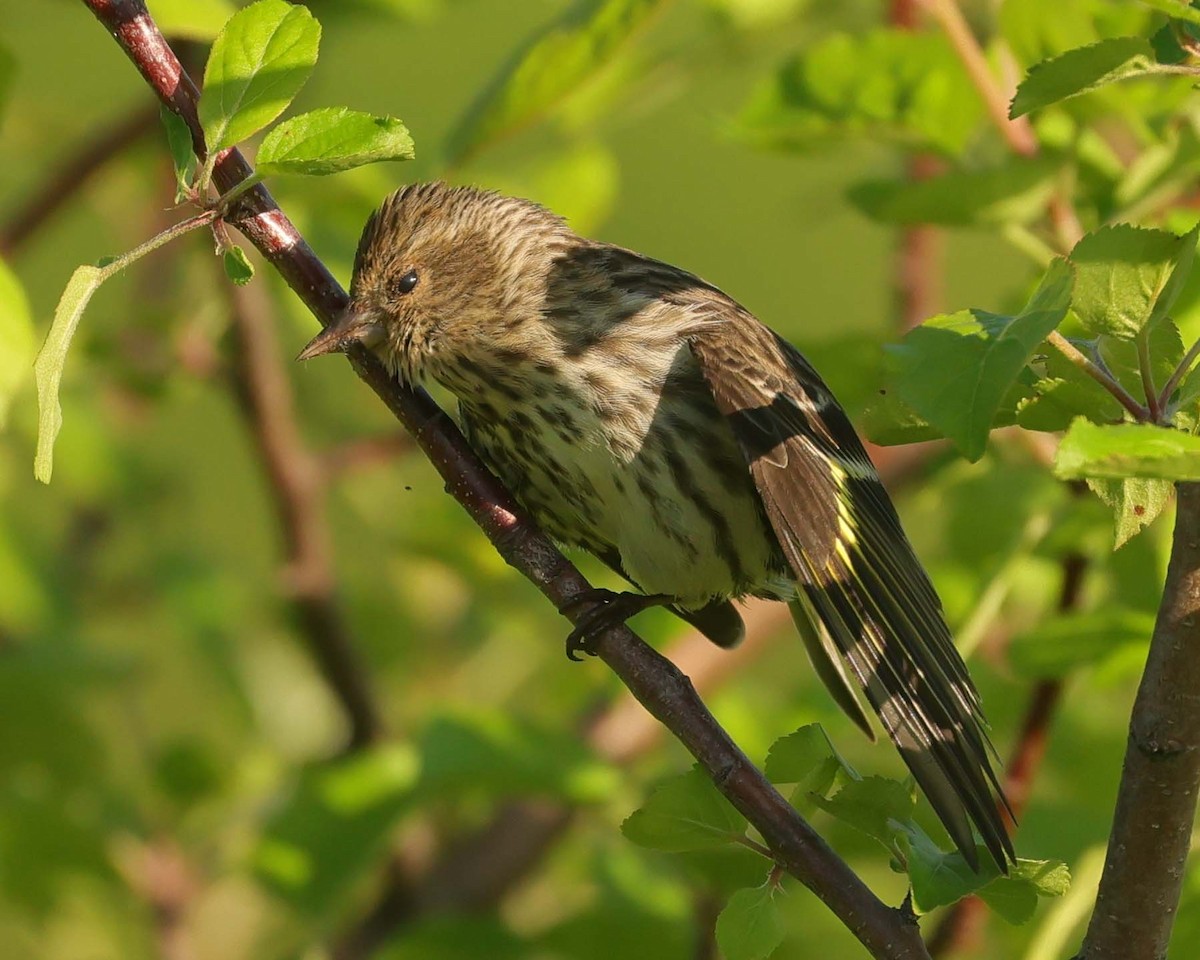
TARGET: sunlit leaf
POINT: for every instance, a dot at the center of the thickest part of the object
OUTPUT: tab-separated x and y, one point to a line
330	141
1136	503
1116	451
956	370
48	367
1080	70
1127	278
257	65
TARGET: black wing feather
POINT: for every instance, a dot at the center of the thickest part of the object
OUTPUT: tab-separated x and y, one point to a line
842	537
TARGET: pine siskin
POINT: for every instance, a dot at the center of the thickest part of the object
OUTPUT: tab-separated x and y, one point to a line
638	412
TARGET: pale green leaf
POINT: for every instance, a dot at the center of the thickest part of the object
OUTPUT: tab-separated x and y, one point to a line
874	805
330	141
48	367
750	928
1127	277
1136	503
1080	70
1116	451
257	65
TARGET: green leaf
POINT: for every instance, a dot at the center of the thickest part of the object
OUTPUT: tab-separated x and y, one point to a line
258	63
1066	642
183	157
16	339
794	758
1124	450
335	824
1127	278
686	813
955	371
808	759
48	367
874	805
750	928
330	141
939	878
1015	897
1016	192
887	84
238	267
1177	9
1136	503
1080	70
565	57
191	19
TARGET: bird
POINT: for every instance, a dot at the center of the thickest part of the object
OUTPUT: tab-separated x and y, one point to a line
641	414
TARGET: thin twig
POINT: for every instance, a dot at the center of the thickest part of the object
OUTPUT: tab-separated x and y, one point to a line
1018	134
265	397
1177	376
1077	357
1146	369
660	687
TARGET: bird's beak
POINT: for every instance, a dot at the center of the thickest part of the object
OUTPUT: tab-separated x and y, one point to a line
355	325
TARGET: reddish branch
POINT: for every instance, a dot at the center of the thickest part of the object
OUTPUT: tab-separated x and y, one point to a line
656	683
265	396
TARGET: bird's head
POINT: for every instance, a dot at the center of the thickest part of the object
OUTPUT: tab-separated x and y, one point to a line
437	268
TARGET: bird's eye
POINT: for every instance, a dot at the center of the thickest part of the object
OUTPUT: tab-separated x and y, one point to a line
406	283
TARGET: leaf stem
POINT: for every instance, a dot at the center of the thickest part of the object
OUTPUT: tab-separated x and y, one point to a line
760	849
1181	371
1102	377
1147	371
117	264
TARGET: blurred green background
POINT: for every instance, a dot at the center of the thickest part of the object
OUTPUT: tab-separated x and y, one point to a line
174	774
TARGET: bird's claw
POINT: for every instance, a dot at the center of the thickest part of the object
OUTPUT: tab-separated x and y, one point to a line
606	608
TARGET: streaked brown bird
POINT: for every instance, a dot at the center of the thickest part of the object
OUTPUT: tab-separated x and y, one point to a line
640	413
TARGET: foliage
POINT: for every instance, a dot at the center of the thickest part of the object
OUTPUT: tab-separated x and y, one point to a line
167	735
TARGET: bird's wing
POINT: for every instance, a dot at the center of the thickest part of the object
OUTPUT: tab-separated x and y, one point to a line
857	571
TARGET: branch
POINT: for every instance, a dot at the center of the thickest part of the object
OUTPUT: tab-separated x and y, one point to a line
1156	802
264	395
656	683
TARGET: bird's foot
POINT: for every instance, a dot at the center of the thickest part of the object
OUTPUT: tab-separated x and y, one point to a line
605	609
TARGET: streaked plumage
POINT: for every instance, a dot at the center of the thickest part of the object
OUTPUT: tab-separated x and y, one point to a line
640	413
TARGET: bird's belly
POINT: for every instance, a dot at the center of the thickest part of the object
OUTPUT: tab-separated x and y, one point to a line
664	486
